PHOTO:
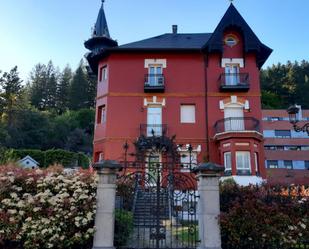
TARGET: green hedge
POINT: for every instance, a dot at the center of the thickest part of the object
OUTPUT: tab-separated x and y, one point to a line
123	227
49	157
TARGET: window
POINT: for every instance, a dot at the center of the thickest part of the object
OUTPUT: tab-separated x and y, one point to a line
274	118
288	164
185	160
283	133
230	40
292	147
232	74
274	147
305	147
101	115
187	113
155	75
272	164
154	121
103	73
243	160
307	165
101	156
227	161
256	161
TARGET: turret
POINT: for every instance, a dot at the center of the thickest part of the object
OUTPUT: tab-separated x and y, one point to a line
100	40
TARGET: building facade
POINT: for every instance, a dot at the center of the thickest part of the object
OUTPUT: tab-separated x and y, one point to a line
286	151
204	88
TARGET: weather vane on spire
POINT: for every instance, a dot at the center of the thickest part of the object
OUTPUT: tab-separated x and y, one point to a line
231	1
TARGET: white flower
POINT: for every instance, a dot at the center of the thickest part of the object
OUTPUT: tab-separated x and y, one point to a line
36	209
13	195
303	225
12	211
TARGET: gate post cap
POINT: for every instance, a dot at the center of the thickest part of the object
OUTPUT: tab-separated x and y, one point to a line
209	168
107	164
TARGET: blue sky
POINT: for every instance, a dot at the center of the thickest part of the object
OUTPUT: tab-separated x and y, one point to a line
35	31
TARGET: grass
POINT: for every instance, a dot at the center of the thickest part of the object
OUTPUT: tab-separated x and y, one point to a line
185	235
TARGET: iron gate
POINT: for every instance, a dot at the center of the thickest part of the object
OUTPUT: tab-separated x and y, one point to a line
159	193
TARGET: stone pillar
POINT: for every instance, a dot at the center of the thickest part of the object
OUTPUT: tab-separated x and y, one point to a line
208	175
106	197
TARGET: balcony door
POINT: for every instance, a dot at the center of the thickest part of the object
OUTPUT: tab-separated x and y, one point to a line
154	121
234	118
231	74
155	75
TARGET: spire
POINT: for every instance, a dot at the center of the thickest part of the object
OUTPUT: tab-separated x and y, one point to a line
100	41
101	28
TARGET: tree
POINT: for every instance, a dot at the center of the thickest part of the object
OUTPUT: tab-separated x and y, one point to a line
43	86
37	86
63	90
30	131
285	84
12	91
51	86
78	89
92	88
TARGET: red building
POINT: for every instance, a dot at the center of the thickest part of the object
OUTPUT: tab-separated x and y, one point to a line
286	151
204	88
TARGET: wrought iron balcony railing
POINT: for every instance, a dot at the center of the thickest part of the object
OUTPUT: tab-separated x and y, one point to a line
237	124
153	130
237	82
154	83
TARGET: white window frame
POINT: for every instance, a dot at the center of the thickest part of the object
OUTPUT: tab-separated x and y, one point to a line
227	161
103	73
185	116
185	160
155	78
101	156
242	161
232	74
256	161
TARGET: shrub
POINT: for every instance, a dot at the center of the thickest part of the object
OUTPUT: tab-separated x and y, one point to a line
46	209
83	160
262	217
49	157
14	155
65	158
123	227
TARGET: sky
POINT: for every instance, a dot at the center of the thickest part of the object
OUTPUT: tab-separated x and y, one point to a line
34	31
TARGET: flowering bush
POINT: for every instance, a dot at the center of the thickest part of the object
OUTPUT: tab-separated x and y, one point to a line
264	217
46	208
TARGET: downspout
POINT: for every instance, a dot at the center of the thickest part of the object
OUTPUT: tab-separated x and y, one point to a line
206	106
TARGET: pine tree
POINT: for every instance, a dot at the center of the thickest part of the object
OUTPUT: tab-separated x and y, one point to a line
12	93
78	89
92	88
37	86
51	86
63	90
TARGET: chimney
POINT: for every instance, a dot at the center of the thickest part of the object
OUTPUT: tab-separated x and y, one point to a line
175	28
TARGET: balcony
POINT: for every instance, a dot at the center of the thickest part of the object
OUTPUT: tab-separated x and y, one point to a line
236	82
237	125
156	130
154	83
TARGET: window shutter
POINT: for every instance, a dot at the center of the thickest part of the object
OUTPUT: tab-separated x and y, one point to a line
187	113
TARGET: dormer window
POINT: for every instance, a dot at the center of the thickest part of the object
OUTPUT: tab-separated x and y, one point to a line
230	40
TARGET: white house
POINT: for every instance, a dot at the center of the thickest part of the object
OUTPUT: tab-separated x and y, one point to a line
28	162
